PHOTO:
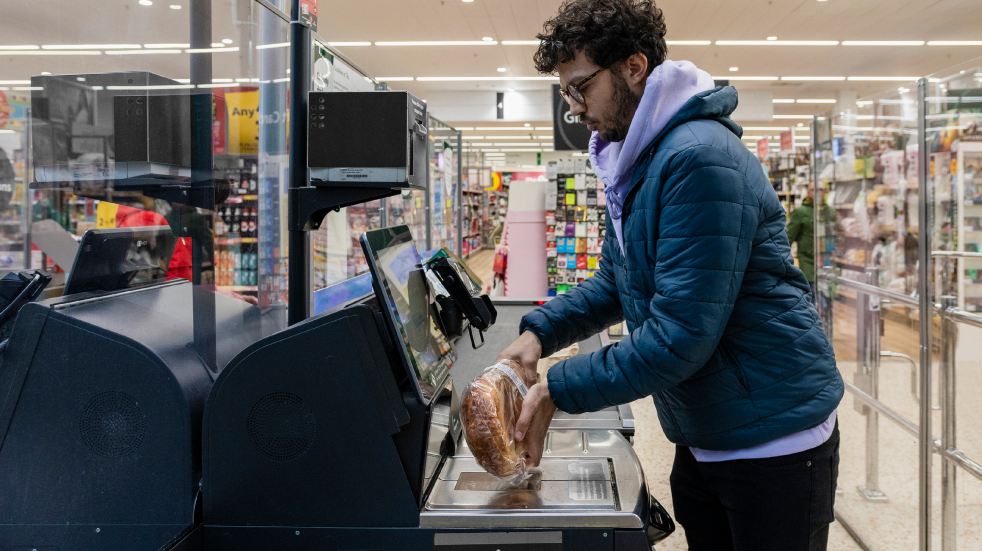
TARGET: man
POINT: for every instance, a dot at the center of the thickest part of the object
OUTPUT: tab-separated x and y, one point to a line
696	259
801	230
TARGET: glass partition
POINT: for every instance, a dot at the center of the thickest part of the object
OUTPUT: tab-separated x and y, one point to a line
157	134
444	184
897	248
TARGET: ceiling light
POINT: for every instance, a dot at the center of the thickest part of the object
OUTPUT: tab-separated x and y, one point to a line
467	1
883	79
477	79
492	128
221	85
54	52
816	101
280	45
141	52
792	117
90	46
771	38
801	124
903	90
21	47
80	79
217	45
527	125
882	42
359	44
766	128
777	42
175	6
227	41
813	78
393	79
735	77
437	43
166	46
520	42
783	100
734	69
145	2
502	69
487	39
689	42
15	82
954	43
210	50
45	73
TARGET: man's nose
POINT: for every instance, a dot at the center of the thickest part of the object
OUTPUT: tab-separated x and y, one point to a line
576	108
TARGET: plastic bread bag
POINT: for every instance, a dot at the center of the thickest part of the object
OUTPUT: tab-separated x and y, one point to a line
491	407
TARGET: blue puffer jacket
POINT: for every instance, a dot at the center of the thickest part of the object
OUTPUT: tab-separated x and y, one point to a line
723	334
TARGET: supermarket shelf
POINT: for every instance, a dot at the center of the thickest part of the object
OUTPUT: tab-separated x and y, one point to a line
236	240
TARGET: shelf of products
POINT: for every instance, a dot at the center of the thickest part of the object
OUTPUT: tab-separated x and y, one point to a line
969	190
474	206
575	206
237	229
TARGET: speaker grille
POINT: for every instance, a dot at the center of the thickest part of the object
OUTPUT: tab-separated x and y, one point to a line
281	426
113	424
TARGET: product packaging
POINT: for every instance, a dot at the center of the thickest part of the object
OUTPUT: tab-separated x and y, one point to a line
492	405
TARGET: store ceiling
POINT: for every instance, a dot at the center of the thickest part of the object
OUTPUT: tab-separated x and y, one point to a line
95	22
707	20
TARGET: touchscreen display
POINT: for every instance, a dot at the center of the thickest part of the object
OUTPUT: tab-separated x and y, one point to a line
396	263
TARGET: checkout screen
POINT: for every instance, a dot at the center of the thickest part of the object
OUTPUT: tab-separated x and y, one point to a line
395	263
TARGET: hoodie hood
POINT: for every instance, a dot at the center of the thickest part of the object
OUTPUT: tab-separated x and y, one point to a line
669	87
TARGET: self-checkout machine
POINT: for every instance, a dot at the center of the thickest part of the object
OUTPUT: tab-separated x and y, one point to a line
102	389
342	432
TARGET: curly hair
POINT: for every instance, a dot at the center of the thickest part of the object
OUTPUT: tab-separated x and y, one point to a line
608	31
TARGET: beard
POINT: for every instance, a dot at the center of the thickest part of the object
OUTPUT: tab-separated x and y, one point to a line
625	103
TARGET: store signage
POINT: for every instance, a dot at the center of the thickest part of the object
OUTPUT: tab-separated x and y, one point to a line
787	142
308	13
970	125
762	147
570	134
243	121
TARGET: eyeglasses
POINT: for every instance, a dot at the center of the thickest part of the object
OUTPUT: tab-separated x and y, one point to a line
575	91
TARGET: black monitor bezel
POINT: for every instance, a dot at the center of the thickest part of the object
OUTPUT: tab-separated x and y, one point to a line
399	235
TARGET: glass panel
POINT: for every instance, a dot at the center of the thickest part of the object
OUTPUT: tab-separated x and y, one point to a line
336	253
143	120
444	185
867	232
954	114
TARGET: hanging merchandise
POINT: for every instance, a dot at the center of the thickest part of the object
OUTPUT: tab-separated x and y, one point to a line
575	218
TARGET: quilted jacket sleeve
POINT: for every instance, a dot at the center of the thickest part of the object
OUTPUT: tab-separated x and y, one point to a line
585	310
708	216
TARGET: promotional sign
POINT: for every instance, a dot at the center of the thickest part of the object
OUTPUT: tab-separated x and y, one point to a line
570	134
105	214
762	147
13	110
787	142
243	121
308	13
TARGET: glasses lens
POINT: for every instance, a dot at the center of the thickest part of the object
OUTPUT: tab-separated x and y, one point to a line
576	95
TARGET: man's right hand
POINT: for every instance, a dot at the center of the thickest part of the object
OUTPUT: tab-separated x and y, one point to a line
526	350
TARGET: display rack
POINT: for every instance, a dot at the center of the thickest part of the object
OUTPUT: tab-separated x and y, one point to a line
237	227
969	193
444	185
473	205
575	218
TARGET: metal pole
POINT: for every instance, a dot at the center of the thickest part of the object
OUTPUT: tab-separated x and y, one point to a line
428	201
926	314
868	342
301	39
460	193
949	471
27	210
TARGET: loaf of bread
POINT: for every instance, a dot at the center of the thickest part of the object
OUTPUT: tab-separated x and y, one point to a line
491	406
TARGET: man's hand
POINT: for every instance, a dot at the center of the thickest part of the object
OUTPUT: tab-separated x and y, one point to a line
525	350
533	423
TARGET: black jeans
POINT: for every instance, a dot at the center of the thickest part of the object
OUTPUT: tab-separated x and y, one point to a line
773	504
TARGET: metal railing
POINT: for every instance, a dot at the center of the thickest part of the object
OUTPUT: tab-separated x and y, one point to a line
865	391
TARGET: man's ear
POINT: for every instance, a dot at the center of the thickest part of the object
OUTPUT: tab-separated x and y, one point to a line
636	69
